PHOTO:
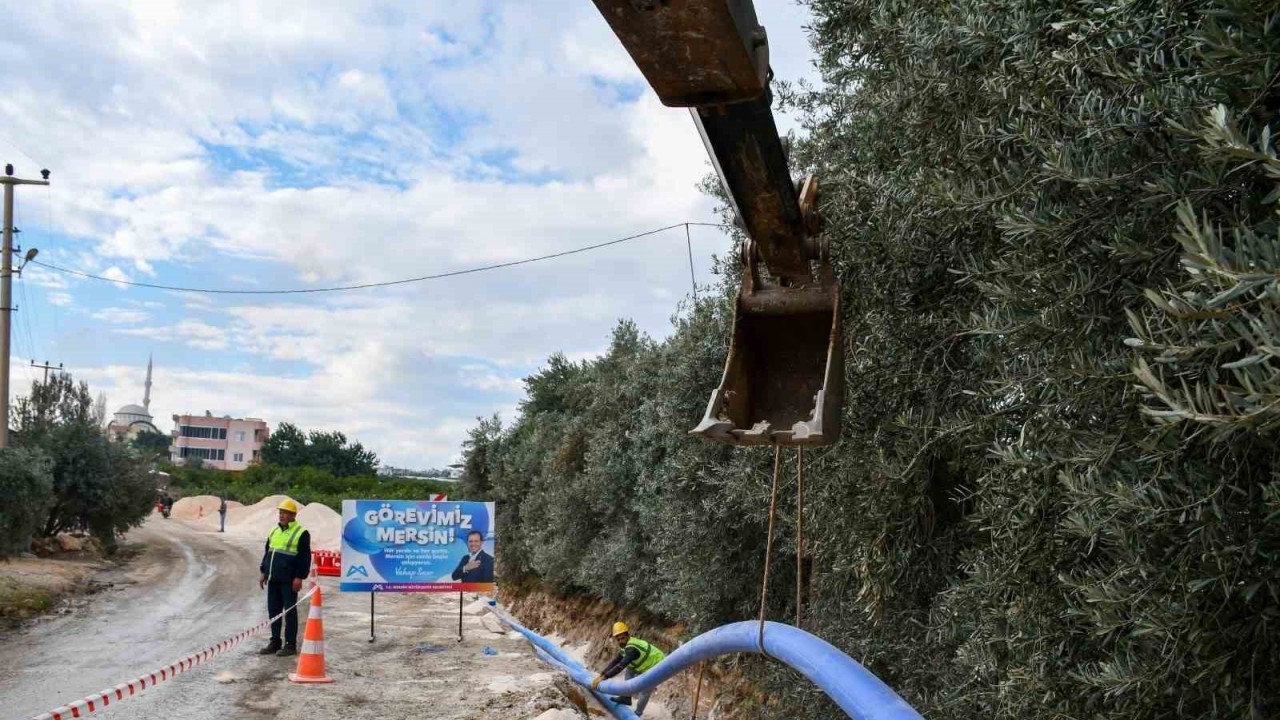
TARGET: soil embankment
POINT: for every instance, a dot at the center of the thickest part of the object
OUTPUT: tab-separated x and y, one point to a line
54	577
581	626
31	586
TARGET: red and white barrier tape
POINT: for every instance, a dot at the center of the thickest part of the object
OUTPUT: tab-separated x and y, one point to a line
95	702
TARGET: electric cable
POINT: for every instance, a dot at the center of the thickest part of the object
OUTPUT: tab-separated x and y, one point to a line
365	286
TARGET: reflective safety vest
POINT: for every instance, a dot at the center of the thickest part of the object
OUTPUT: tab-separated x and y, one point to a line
650	655
283	541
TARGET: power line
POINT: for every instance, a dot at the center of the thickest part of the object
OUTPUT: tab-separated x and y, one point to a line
688	244
385	283
26	309
18	149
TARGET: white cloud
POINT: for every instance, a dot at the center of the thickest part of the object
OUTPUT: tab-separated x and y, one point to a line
483	378
195	334
122	316
43	277
273	145
115	273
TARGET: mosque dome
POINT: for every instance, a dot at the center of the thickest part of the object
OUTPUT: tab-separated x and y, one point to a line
130	414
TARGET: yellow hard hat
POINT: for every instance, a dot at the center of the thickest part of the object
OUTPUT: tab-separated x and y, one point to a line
287	504
619	628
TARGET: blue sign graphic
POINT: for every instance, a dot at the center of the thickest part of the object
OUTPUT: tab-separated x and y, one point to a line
417	546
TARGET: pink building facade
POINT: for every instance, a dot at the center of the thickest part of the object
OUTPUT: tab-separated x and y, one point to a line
224	443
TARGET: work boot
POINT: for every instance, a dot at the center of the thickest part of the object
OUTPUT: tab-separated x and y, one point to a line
621	700
271	647
287	650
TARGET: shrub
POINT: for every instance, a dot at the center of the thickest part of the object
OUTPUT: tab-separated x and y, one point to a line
26	484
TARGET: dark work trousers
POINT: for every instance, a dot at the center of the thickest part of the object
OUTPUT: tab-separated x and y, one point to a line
642	699
280	595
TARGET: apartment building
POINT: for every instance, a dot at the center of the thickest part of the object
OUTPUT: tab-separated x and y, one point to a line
225	443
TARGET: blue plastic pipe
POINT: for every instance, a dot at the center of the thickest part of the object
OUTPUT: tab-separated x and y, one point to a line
555	656
859	693
622	712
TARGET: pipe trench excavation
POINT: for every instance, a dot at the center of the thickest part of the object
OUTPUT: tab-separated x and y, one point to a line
859	693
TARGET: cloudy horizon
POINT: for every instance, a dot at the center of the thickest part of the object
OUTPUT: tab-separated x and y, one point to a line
317	144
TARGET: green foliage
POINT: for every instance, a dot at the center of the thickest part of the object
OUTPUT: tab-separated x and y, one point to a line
26	484
1057	491
1214	338
474	482
329	451
304	484
98	486
156	444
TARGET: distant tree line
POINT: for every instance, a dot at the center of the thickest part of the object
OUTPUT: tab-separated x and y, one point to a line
327	451
406	472
1057	491
304	484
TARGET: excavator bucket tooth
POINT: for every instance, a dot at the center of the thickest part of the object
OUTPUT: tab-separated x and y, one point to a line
693	52
783	380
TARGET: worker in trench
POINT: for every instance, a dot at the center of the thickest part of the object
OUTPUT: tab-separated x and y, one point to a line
636	656
285	562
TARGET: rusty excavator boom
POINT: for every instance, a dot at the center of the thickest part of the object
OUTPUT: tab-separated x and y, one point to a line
783	380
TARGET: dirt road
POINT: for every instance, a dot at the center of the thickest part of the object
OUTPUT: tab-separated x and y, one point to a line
191	587
185	591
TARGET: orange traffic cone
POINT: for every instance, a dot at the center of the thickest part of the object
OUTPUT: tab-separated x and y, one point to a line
311	656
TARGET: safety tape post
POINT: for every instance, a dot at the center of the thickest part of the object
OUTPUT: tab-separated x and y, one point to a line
95	702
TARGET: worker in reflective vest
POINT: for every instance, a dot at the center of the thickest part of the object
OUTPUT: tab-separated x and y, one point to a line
636	656
285	562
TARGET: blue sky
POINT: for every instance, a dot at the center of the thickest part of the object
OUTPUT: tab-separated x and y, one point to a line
297	144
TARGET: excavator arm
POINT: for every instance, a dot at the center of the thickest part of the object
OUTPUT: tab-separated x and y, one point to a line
783	381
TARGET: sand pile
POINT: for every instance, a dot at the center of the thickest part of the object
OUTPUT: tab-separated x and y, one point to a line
210	517
256	520
196	506
324	524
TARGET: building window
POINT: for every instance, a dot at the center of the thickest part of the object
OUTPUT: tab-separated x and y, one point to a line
202	453
240	436
238	457
205	433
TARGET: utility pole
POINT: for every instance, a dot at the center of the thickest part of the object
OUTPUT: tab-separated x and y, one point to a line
6	291
46	367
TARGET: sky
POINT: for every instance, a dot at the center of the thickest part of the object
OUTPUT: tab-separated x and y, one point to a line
304	144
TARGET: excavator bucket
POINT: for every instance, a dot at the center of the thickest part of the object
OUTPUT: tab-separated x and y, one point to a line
783	381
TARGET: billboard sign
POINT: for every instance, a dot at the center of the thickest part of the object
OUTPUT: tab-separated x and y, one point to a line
417	546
